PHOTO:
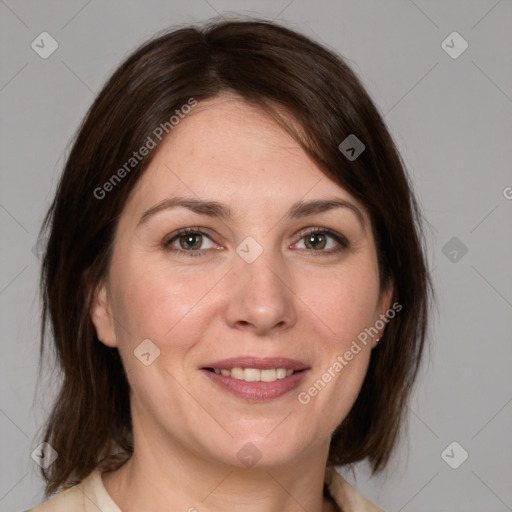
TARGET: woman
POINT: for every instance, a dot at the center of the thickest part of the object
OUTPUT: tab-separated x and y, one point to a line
234	279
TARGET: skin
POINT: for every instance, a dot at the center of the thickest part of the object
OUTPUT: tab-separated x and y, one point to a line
295	300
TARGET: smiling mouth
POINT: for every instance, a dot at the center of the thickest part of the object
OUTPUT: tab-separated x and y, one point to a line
256	379
255	374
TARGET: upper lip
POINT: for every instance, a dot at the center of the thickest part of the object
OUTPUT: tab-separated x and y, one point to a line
258	363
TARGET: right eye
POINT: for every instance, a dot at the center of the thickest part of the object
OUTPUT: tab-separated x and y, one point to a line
189	240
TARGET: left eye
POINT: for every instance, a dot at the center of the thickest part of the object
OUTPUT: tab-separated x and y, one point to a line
318	240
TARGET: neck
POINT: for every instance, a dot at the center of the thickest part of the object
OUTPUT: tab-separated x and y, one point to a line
164	473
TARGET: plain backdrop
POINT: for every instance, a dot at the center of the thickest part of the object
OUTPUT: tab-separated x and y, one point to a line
451	119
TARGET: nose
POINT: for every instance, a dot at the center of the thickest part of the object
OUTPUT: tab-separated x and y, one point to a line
260	299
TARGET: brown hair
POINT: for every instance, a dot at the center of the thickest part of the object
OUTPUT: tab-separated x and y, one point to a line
277	70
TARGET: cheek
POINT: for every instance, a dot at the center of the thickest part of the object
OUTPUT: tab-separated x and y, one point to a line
157	304
344	301
142	304
155	301
345	305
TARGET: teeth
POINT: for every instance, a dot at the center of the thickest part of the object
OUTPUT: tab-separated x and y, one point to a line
255	375
268	375
237	373
252	375
281	373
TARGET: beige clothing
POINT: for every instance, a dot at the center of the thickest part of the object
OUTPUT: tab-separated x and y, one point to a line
91	496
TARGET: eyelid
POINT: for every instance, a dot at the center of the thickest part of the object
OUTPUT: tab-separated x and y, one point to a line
192	229
342	239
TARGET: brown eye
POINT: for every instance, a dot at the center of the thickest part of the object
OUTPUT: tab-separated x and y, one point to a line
190	241
315	241
322	241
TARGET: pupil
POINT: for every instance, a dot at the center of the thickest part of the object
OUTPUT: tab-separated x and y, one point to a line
191	241
316	241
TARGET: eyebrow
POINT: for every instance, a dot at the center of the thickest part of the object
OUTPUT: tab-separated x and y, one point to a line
215	209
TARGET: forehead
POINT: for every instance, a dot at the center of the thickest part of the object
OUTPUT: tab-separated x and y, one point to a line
232	139
230	151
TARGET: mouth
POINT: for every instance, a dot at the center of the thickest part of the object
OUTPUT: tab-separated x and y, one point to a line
256	379
254	374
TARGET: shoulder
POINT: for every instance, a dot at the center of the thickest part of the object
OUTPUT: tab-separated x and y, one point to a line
88	496
345	496
71	499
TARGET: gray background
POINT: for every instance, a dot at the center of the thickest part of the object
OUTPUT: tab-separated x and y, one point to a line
451	119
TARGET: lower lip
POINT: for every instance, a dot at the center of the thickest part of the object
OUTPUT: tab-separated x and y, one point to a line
257	391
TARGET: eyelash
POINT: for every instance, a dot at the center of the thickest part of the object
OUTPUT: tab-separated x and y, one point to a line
342	241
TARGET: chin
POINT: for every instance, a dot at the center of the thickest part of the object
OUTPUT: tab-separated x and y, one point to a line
259	451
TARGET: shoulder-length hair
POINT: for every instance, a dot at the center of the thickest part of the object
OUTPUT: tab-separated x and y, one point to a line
277	70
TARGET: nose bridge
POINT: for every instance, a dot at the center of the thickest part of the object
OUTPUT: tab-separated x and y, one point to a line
266	274
261	298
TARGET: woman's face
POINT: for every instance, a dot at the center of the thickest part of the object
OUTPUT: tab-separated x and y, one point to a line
251	281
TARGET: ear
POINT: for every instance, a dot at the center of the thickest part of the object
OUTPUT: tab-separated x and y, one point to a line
101	316
383	307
